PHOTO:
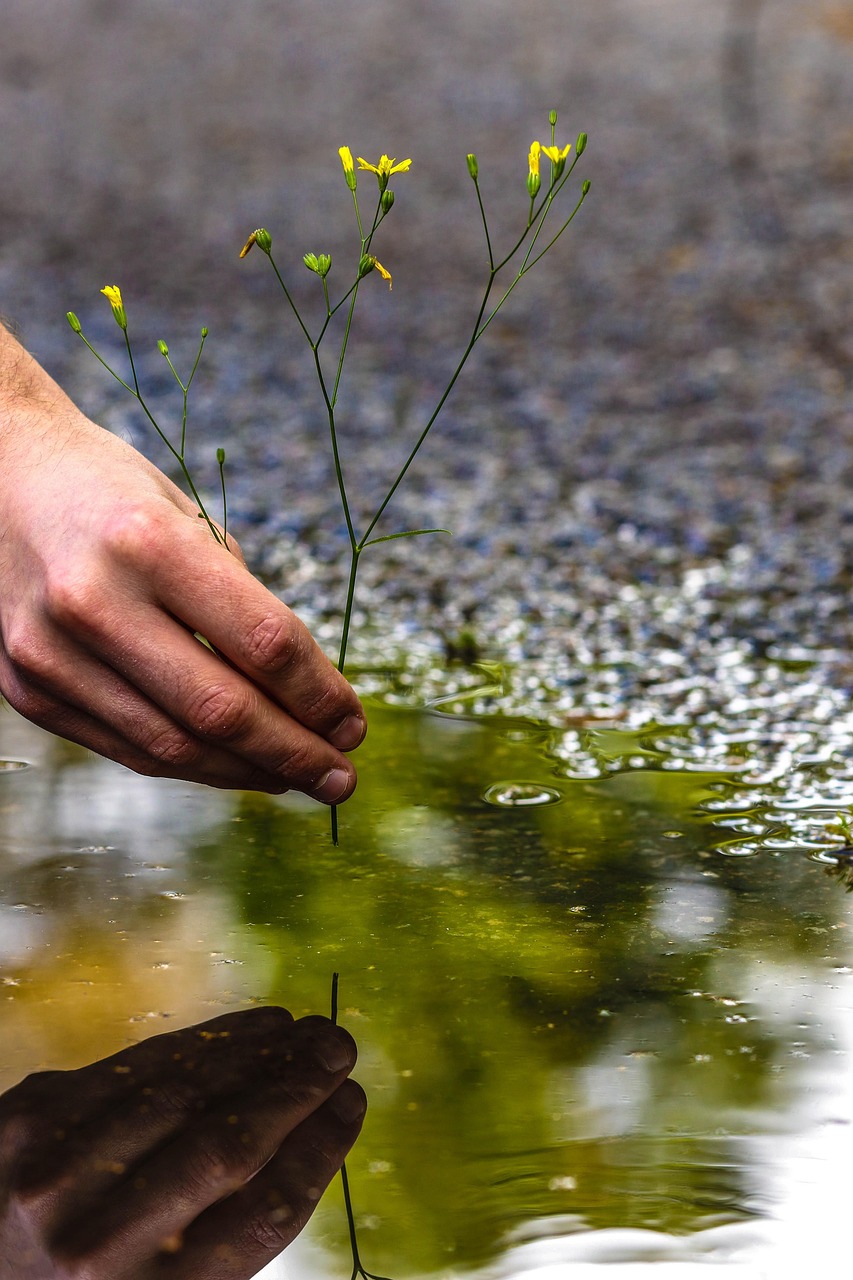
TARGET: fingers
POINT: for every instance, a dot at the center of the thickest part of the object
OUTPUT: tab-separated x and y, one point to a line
169	1177
248	1229
205	701
73	694
257	633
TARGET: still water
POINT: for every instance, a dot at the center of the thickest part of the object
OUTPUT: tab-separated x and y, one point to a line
603	993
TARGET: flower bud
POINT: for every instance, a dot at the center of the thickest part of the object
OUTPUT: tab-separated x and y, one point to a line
263	239
324	263
220	456
534	182
387	201
310	260
349	167
366	265
113	295
473	167
74	322
205	331
552	118
580	145
162	348
586	186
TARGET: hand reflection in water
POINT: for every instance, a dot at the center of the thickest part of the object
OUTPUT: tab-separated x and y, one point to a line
201	1153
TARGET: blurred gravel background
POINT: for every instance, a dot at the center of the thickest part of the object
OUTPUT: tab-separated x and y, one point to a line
647	466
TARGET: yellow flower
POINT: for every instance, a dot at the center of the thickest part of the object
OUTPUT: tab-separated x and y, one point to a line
113	295
385	169
557	155
386	275
533	158
349	167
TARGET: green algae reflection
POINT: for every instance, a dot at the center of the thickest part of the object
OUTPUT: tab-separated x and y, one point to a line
559	1004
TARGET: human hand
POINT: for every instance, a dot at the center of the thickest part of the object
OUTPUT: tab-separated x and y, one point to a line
106	573
198	1153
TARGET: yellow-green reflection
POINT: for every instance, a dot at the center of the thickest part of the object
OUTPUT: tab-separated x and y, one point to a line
563	1008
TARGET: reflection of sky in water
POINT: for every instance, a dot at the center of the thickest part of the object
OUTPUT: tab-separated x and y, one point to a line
133	905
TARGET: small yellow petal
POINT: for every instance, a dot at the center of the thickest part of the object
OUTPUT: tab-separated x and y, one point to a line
386	275
402	167
113	294
247	246
365	164
346	159
533	157
556	154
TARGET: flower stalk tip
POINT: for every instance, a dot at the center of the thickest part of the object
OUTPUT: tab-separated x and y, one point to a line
473	167
557	156
534	181
74	322
162	348
113	295
349	166
386	168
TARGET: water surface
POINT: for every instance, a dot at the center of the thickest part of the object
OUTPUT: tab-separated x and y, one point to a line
602	992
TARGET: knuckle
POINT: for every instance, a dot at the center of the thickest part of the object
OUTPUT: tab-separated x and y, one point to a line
220	711
28	651
173	746
324	706
169	1103
299	764
139	532
274	642
73	600
214	1163
273	1227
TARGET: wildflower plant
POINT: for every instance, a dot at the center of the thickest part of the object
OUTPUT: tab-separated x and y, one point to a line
328	338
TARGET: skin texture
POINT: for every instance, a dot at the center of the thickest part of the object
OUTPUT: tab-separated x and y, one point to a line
106	573
198	1153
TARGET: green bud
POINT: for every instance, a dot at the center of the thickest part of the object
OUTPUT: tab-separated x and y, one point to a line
74	322
552	118
324	263
365	266
386	201
473	167
220	456
580	145
586	186
162	348
205	331
534	182
120	317
311	262
263	239
349	174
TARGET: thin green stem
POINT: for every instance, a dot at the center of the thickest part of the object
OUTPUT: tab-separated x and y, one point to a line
224	502
485	224
436	411
336	457
106	366
358	1268
135	391
287	295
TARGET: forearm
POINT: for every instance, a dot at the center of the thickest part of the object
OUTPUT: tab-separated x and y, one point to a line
31	402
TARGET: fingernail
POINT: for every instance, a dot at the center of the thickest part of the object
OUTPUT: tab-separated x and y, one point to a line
332	786
349	1103
348	734
335	1053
